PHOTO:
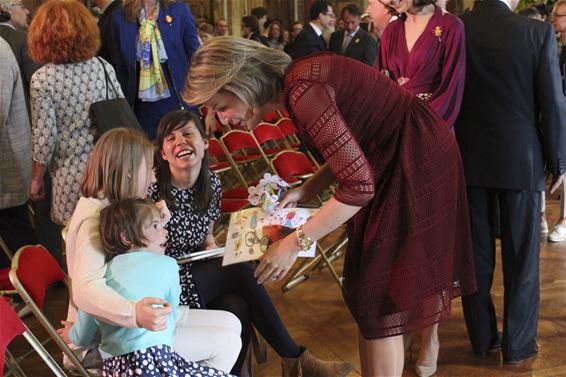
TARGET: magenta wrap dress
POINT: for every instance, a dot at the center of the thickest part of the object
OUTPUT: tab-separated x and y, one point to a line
435	66
409	251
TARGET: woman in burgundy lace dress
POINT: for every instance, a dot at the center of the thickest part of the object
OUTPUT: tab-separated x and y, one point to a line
400	183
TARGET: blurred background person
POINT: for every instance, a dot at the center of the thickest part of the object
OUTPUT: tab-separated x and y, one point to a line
261	14
354	42
143	29
64	38
310	39
15	161
250	30
530	12
205	31
13	27
107	9
558	18
294	30
221	27
426	54
275	36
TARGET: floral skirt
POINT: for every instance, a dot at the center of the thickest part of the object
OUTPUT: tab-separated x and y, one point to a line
156	361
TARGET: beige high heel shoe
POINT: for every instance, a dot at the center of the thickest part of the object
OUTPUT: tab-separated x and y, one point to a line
427	370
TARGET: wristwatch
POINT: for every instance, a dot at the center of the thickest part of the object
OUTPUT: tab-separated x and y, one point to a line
305	242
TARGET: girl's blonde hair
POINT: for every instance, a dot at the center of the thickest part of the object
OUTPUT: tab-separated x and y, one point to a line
249	70
112	171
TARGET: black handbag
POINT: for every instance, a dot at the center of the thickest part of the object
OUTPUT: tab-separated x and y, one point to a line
111	113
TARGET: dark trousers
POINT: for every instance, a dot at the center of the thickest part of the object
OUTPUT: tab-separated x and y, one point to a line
48	233
233	288
15	230
520	238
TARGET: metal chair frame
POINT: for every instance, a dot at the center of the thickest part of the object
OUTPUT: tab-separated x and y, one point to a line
37	312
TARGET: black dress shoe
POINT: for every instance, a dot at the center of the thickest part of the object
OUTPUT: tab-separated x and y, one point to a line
493	349
519	360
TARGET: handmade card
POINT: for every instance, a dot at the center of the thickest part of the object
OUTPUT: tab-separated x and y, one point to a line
253	230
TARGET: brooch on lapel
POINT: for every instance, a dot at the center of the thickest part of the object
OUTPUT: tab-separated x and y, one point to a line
169	19
438	32
357	40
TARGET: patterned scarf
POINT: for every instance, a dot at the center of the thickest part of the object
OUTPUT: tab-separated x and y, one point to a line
151	53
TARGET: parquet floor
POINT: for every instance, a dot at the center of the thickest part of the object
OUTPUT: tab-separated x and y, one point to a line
316	317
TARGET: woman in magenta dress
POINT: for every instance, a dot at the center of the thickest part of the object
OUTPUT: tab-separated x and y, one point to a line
426	54
400	182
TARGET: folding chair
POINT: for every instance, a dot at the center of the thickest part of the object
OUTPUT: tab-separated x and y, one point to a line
11	326
270	138
288	129
271	117
293	167
242	148
33	271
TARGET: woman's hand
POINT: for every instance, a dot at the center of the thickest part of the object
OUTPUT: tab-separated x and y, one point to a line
64	331
37	190
291	198
152	313
277	260
164	212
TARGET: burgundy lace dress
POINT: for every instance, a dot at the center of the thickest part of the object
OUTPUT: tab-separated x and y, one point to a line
409	250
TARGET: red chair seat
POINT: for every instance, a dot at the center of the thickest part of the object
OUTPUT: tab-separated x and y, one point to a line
235	193
232	205
5	284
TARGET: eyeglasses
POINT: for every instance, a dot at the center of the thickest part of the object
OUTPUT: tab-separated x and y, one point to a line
556	15
332	15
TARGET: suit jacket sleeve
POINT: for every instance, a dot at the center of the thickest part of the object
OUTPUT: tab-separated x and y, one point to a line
370	52
29	66
552	105
190	33
121	69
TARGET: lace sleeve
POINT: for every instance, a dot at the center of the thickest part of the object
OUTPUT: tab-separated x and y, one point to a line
314	107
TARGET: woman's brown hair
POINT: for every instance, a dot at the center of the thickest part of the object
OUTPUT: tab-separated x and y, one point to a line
122	225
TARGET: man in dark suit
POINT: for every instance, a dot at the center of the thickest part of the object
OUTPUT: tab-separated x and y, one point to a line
310	40
353	41
511	127
107	7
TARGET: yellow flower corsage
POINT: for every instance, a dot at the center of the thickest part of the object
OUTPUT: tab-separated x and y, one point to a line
169	19
438	32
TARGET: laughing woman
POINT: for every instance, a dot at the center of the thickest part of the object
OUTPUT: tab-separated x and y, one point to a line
192	193
400	184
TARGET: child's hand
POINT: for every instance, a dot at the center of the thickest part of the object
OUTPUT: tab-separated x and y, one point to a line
163	211
64	332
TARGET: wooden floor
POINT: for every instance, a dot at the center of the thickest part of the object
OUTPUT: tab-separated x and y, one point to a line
316	317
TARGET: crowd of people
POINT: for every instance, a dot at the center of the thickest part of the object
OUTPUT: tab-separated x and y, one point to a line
437	131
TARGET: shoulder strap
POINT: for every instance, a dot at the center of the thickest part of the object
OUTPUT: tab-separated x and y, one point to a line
173	84
107	79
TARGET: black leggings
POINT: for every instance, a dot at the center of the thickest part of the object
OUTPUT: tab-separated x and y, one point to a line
233	288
